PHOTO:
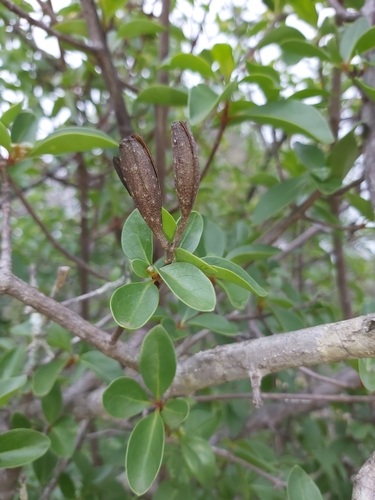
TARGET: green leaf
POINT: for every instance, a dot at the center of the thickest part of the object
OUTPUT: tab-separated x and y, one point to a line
10	114
12	361
237	295
189	285
351	36
366	41
144	453
104	367
310	156
229	271
215	323
72	27
59	337
342	156
304	49
110	7
163	95
136	238
248	253
363	206
169	225
175	411
133	305
185	256
63	436
20	421
46	375
267	84
213	238
202	423
10	386
202	100
370	91
289	320
45	466
72	140
191	62
277	198
222	53
52	404
66	485
192	234
281	34
294	117
138	28
199	457
366	368
5	139
157	361
301	486
24	127
139	268
124	398
21	446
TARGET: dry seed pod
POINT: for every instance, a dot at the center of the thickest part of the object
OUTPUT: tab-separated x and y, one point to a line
185	167
136	170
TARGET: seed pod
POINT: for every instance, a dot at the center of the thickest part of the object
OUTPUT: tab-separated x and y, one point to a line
185	167
136	170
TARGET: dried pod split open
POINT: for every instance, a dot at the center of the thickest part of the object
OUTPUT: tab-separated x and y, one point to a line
136	170
185	167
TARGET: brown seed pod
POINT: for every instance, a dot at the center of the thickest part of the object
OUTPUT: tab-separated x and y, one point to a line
185	167
136	170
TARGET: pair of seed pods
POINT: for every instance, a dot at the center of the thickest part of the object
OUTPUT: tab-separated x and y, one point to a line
136	170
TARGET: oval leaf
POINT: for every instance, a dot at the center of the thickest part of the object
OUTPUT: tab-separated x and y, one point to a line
63	436
169	225
215	323
175	411
45	376
227	270
9	386
24	127
222	53
193	232
301	486
124	398
139	268
193	63
294	117
144	453
199	457
136	238
133	305
351	36
72	140
163	95
52	404
248	253
190	285
278	197
213	238
8	117
21	446
185	256
5	139
157	361
366	368
202	100
139	27
237	296
104	367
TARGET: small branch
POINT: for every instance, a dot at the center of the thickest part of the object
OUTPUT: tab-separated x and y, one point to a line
276	396
33	22
52	240
299	241
317	376
95	293
85	233
63	463
6	245
342	13
116	334
256	380
220	452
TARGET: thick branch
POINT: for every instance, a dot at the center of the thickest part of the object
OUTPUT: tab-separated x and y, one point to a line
364	483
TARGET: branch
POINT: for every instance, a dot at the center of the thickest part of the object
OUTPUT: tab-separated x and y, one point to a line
66	318
334	342
104	57
33	22
54	242
342	13
364	482
6	246
95	293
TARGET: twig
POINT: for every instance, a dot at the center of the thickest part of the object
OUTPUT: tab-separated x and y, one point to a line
33	22
6	245
342	13
317	376
299	241
116	334
334	398
63	463
95	293
220	452
49	236
85	233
